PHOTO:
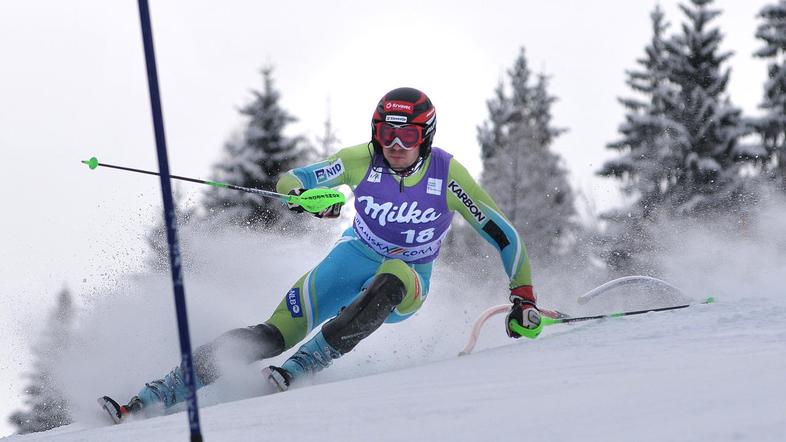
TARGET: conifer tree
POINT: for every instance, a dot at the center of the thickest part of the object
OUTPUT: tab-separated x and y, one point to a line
707	138
491	134
772	126
525	177
680	152
256	159
647	163
47	408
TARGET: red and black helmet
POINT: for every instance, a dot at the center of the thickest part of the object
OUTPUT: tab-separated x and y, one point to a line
406	106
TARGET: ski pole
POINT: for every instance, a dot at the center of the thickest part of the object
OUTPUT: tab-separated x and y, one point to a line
547	320
312	200
552	321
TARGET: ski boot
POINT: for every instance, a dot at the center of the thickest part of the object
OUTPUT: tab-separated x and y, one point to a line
312	357
151	400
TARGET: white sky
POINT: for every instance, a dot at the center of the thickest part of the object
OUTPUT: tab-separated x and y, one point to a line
72	85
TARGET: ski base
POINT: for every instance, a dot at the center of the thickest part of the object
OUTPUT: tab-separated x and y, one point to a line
112	408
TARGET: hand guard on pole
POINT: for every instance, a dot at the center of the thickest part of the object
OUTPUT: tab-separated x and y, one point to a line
297	208
331	212
524	317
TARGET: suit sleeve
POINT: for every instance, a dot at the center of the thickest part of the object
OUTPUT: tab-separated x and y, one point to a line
347	166
476	206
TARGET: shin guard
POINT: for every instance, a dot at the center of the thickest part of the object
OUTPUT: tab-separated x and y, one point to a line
365	314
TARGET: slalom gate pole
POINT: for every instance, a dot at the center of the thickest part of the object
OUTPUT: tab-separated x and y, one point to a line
171	227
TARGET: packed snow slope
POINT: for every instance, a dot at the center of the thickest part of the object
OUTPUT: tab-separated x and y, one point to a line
709	373
706	373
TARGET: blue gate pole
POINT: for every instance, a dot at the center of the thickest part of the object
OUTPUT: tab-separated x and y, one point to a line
171	227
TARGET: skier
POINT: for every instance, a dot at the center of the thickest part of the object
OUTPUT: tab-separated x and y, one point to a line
379	270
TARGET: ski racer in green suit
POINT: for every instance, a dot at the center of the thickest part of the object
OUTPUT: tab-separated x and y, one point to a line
406	192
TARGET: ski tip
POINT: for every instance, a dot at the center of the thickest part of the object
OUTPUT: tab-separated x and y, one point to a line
92	163
111	407
709	300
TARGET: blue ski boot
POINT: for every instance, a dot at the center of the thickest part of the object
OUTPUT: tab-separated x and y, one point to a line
168	391
312	357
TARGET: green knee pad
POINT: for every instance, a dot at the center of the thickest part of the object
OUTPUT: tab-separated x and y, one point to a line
414	297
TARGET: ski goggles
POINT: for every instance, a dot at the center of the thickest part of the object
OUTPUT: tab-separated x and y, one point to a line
408	136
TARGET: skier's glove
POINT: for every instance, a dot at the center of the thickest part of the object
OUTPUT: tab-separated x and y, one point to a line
524	313
296	207
331	212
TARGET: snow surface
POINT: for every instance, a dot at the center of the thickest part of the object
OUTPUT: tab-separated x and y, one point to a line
707	373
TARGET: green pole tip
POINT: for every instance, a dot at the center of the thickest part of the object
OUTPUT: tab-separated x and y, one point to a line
92	163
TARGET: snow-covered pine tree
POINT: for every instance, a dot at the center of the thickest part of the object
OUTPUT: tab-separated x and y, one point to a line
256	159
47	408
772	126
520	171
707	137
491	134
647	163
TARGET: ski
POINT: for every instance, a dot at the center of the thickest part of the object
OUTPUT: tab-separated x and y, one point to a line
112	408
119	413
625	281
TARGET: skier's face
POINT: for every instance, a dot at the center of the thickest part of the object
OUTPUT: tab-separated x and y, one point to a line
399	157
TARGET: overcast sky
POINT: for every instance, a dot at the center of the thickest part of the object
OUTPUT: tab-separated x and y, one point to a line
73	85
